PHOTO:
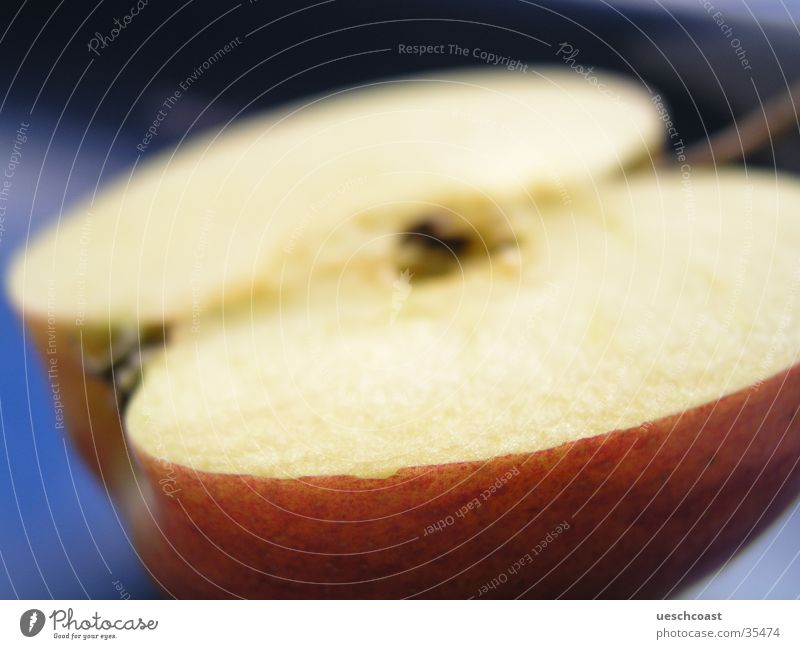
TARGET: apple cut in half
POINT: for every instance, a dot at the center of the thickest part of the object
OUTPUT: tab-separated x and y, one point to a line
602	405
426	339
257	209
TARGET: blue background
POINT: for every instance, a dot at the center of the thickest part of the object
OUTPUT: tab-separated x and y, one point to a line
59	533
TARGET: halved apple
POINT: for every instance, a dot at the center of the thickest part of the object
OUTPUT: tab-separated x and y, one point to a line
417	340
246	211
592	408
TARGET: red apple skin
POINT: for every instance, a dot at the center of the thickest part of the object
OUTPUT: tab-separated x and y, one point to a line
91	412
632	513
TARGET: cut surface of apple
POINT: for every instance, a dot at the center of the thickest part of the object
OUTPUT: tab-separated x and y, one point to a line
661	294
246	209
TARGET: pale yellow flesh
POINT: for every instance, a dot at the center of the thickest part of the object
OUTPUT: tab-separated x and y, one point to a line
656	296
245	209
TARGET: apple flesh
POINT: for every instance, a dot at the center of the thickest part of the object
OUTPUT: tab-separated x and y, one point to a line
242	212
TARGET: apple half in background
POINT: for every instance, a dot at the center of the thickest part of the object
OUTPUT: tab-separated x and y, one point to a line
240	213
472	367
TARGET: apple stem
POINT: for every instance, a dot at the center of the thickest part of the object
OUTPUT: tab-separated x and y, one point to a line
751	132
